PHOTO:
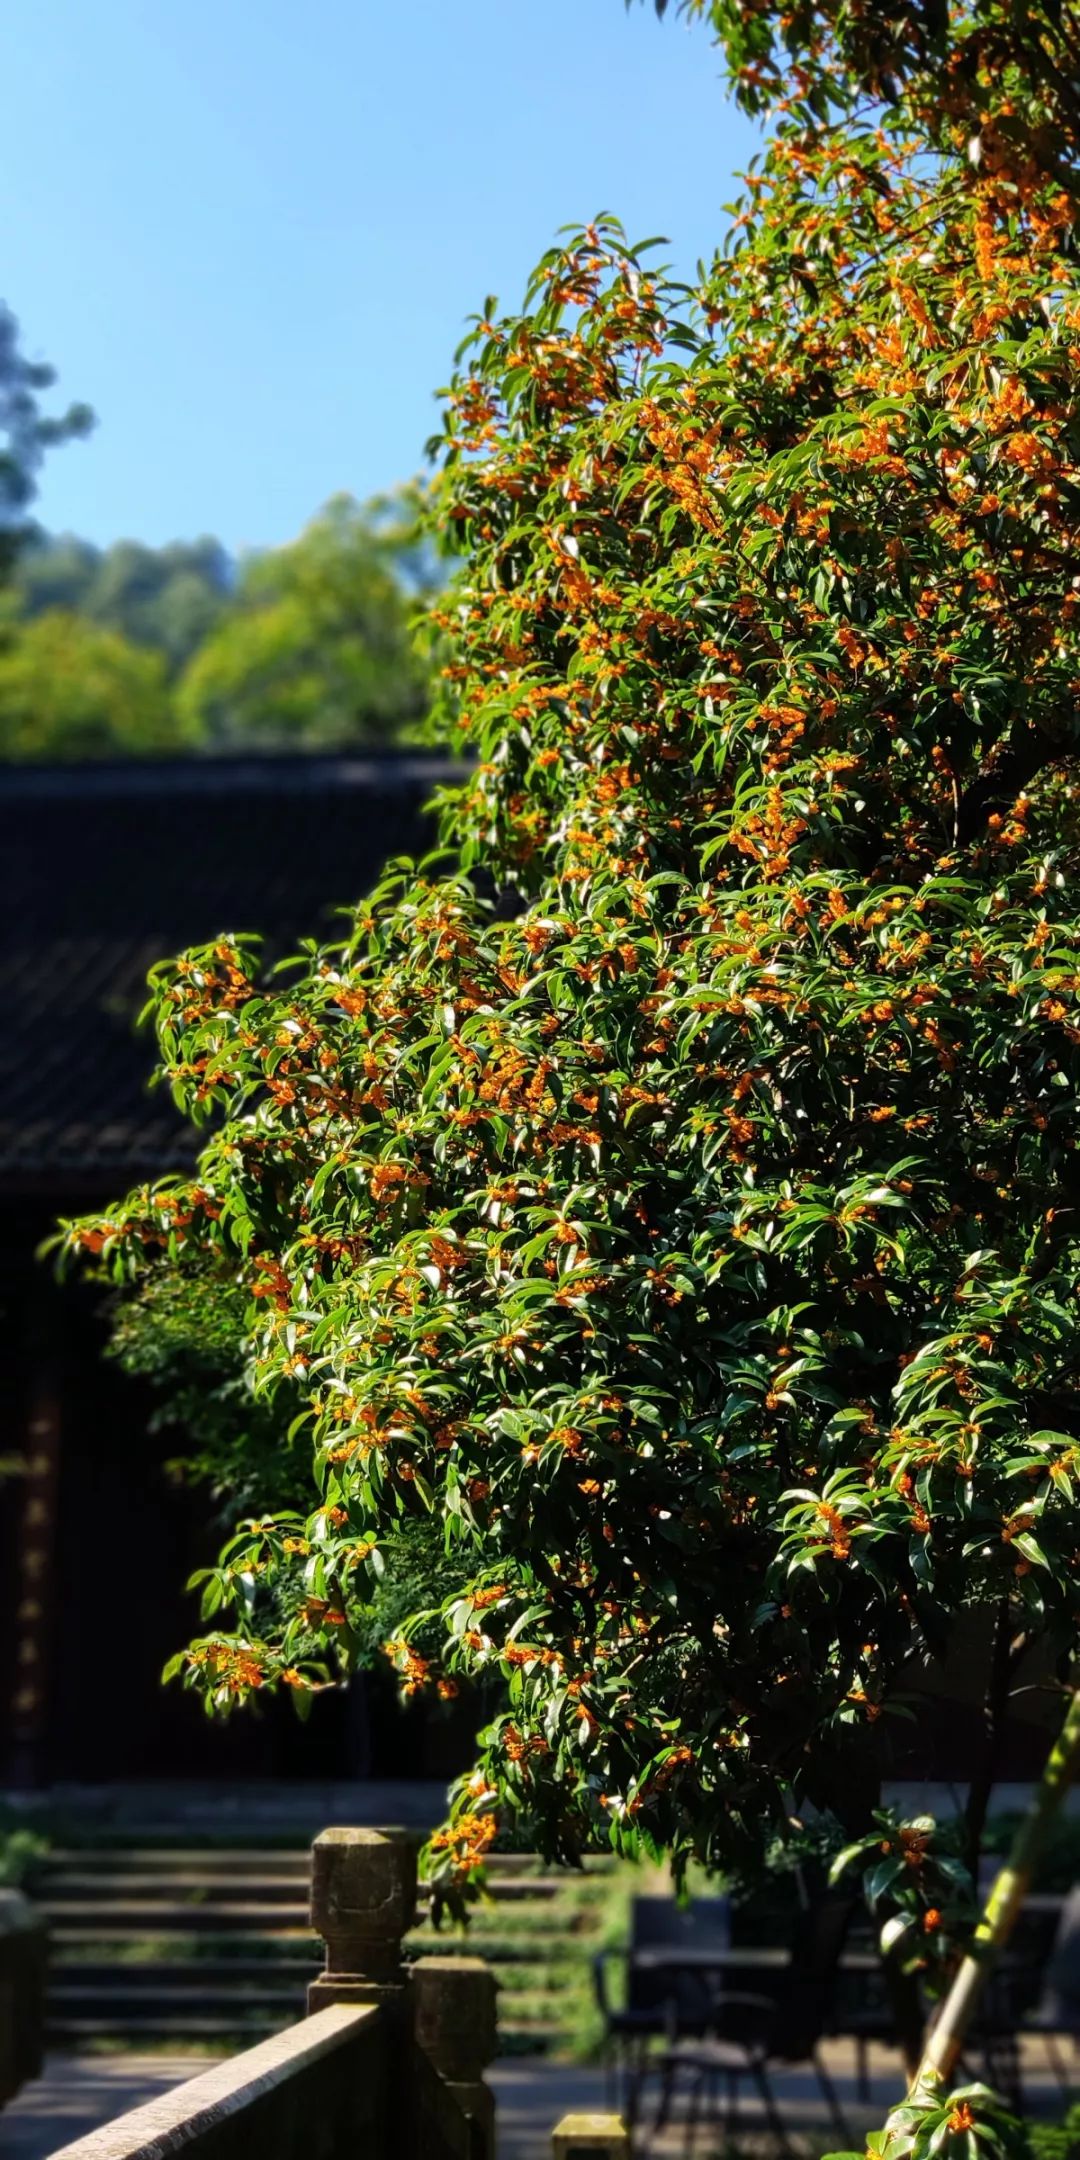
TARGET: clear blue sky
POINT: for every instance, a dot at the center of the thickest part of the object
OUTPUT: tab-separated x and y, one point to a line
248	232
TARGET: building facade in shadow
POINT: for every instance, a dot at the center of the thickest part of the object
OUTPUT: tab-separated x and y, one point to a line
106	869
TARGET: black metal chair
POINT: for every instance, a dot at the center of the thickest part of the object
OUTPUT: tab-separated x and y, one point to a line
864	2010
653	1994
1035	1989
1056	2014
750	2035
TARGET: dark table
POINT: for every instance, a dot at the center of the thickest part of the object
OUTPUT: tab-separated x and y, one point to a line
751	1957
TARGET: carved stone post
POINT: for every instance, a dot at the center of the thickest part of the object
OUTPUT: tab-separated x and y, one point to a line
591	2137
363	1900
454	2023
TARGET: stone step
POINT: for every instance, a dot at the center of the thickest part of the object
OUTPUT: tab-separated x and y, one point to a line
115	1905
189	1884
233	1972
154	1916
65	1935
230	2032
106	1998
158	1993
236	1973
509	1873
291	1860
153	1944
513	1889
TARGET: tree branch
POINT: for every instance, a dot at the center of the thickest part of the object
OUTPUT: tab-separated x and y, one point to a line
995	789
1003	1658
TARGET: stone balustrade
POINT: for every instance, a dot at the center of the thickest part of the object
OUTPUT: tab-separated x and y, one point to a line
22	1992
318	2091
390	2060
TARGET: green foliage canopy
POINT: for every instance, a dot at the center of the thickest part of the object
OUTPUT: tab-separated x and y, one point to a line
184	1332
700	1245
316	651
306	647
71	690
168	598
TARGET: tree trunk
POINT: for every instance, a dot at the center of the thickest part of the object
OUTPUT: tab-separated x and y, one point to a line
945	2043
906	2009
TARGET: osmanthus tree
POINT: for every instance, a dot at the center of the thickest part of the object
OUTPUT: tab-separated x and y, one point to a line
697	1235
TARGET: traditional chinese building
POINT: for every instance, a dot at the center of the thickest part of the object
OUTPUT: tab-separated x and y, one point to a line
105	869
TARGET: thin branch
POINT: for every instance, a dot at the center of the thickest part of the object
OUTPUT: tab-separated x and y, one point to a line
1011	770
995	1710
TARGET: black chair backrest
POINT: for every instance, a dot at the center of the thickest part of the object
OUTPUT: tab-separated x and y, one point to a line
661	1923
1063	1970
807	1990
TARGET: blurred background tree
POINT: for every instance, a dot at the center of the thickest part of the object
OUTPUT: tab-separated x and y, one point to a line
316	650
69	689
170	598
132	650
25	435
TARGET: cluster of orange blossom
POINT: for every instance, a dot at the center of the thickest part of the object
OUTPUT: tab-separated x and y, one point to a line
698	1238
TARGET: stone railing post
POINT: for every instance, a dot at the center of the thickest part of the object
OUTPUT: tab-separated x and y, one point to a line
591	2137
454	2024
22	1992
363	1901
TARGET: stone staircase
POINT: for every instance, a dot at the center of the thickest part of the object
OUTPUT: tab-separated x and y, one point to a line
154	1946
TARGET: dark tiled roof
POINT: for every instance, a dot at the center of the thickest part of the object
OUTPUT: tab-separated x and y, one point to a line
105	869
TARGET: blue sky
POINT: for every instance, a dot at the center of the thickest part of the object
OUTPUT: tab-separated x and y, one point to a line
248	232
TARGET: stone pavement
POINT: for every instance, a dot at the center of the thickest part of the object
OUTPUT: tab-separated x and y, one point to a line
79	2092
532	2095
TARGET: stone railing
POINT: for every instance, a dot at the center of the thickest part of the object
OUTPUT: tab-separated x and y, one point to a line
22	1992
389	2062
